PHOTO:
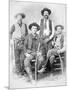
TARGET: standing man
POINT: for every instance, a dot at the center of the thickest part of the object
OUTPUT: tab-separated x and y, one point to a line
31	47
46	27
17	34
46	31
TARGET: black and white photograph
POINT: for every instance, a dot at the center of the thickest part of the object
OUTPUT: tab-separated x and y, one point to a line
37	42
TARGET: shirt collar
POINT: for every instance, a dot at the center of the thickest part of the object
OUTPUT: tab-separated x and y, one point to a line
34	37
20	25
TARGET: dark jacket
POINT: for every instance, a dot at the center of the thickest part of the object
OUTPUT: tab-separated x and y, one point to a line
31	43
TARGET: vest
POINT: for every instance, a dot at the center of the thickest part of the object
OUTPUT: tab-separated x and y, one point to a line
19	31
44	30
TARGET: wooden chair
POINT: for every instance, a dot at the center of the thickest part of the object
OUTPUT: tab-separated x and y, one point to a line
58	62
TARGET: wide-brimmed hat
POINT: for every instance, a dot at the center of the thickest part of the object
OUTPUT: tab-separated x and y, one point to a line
22	14
45	9
62	27
34	24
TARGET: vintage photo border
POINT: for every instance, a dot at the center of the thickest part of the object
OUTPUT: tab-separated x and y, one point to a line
9	45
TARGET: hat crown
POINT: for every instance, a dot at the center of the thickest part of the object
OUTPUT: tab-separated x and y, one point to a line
22	14
34	24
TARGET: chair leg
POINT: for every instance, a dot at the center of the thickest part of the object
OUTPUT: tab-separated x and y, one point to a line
36	71
61	63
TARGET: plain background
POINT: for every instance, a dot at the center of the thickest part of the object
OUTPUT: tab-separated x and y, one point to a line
33	12
4	44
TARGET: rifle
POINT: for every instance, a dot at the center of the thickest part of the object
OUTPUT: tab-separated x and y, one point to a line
36	63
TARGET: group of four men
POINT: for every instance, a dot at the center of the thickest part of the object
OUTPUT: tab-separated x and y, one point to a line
29	46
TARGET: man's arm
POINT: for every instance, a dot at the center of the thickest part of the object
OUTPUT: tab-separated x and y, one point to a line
26	50
25	44
12	30
62	50
52	35
41	26
26	30
52	32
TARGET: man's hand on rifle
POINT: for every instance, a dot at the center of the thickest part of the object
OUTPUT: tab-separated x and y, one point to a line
46	40
58	51
27	54
38	53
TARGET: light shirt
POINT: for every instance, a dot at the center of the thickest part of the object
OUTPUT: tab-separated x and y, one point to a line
46	31
58	43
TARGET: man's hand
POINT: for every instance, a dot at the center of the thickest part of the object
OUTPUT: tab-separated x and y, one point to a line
53	43
38	53
11	43
58	51
29	51
27	54
46	40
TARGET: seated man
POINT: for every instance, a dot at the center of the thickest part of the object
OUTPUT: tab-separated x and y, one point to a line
31	46
58	46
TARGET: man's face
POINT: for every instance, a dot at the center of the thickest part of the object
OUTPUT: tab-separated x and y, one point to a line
34	29
59	30
19	19
46	14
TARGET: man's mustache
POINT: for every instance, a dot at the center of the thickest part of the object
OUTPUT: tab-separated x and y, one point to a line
46	15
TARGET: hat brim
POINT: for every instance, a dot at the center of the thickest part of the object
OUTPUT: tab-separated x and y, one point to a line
22	14
62	27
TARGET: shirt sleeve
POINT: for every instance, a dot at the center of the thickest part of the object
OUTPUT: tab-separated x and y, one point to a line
12	30
41	25
25	44
52	32
63	48
26	30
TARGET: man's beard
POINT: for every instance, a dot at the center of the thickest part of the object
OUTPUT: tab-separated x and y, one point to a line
34	34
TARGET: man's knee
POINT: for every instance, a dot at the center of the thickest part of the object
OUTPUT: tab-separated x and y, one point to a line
27	62
40	58
52	59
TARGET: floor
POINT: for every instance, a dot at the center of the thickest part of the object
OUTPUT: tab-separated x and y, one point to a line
45	80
